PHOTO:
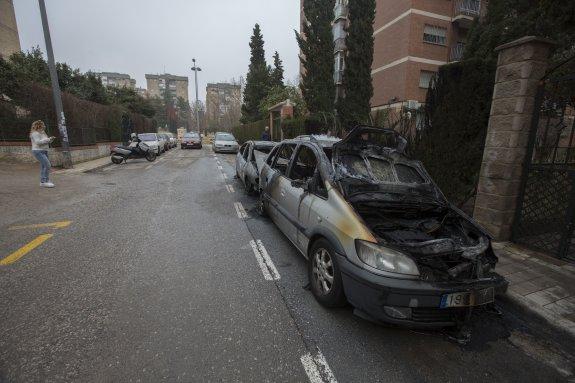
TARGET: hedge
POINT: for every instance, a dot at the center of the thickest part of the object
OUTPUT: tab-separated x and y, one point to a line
87	122
451	143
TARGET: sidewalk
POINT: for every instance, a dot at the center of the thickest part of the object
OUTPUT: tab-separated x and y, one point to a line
86	166
539	283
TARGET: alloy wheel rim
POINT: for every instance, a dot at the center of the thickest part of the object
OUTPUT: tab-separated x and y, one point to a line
323	271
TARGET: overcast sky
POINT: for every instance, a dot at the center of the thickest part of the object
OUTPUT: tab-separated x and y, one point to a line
153	36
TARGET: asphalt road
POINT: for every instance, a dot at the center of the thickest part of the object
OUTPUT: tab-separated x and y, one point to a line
154	278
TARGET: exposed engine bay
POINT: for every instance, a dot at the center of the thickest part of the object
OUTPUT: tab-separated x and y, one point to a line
445	245
406	211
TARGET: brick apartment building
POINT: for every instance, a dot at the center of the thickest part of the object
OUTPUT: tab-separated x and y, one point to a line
9	39
157	84
117	80
223	105
412	38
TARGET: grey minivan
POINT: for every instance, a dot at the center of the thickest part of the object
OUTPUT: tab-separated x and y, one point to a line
376	230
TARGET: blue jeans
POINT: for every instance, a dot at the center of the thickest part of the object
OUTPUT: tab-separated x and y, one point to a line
42	156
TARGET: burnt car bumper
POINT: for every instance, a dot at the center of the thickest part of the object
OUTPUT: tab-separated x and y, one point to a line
411	303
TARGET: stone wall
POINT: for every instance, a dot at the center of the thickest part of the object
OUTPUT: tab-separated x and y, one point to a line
521	65
23	153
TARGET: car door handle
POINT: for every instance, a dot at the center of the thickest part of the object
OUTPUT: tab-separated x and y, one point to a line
283	193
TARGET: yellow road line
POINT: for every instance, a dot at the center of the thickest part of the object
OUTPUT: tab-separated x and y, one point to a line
56	225
25	249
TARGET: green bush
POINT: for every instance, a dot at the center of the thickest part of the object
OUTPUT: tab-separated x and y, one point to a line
251	131
457	114
293	127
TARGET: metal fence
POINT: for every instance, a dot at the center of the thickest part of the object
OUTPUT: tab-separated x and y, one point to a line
546	217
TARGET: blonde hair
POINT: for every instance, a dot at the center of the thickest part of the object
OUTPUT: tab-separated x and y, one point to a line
37	126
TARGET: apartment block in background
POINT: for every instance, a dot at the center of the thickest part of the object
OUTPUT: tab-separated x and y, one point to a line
158	83
223	105
412	39
116	80
9	39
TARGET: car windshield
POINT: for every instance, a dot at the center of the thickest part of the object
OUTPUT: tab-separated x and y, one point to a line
225	137
380	170
147	137
191	135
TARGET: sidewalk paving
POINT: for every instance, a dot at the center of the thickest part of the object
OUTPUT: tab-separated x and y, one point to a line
540	284
86	166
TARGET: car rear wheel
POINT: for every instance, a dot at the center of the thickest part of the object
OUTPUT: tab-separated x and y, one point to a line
248	186
261	207
324	275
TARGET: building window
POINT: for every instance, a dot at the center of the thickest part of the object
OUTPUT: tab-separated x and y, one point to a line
435	35
339	66
425	77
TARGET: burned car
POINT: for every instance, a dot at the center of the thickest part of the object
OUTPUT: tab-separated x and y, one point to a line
249	161
376	230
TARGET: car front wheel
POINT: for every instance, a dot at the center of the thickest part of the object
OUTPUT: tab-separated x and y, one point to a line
324	275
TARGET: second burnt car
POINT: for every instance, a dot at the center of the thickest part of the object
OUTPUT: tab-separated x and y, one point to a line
376	230
249	161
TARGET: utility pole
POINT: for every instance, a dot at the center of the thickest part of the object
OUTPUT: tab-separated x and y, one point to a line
197	69
66	157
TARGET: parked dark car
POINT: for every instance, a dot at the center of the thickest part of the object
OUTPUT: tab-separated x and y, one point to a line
250	160
191	140
377	231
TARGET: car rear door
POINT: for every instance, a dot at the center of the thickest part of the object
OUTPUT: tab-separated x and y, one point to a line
277	184
297	200
240	161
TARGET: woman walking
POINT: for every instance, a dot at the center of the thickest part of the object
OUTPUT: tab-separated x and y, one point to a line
40	144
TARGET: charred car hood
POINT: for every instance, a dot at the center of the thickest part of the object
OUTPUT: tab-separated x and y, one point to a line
405	210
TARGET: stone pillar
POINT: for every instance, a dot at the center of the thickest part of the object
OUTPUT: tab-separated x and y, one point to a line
520	66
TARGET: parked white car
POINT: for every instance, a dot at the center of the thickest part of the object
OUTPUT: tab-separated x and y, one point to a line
153	141
226	143
172	139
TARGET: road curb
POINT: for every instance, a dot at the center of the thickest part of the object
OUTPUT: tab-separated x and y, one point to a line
532	310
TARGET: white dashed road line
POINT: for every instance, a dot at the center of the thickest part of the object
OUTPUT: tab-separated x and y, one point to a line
220	167
268	260
261	263
240	210
230	188
317	369
224	176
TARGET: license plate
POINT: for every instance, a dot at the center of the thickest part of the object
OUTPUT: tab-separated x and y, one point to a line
468	298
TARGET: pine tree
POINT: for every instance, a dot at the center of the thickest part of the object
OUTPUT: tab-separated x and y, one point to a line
316	46
354	106
277	73
257	80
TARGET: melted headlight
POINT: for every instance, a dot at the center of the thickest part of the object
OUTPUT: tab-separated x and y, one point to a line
385	259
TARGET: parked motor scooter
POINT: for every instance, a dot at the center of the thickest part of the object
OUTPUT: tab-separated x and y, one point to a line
121	153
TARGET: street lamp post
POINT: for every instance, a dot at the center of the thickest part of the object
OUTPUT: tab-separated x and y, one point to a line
197	69
66	157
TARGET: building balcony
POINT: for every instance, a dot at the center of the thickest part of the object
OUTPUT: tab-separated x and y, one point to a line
338	77
464	11
456	53
340	11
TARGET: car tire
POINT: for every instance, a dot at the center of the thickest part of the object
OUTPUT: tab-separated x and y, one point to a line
322	265
249	188
261	206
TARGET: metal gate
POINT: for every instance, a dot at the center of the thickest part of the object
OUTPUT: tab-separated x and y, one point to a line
546	217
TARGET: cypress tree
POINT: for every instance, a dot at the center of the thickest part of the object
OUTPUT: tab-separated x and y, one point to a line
257	80
354	106
277	73
316	46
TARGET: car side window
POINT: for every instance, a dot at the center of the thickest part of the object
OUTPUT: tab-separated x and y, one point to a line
283	157
304	164
272	155
242	148
246	151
